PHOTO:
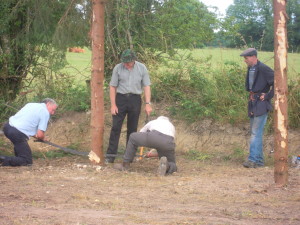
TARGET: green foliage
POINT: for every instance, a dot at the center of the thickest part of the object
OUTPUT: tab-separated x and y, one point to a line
230	92
237	155
9	108
155	27
199	92
31	35
69	95
250	23
36	34
294	104
293	26
207	83
49	154
181	24
197	155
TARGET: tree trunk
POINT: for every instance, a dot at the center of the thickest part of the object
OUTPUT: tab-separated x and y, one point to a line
281	91
97	81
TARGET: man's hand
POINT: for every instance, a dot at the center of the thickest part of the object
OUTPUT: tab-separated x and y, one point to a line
114	110
40	135
262	96
148	109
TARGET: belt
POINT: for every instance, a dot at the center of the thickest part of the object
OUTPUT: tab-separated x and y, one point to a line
253	95
128	94
162	134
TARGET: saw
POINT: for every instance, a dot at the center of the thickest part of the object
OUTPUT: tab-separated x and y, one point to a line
75	152
67	150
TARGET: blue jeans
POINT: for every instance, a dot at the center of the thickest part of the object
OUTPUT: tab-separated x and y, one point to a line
257	125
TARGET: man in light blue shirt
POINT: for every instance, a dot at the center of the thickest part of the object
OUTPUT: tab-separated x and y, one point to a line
31	120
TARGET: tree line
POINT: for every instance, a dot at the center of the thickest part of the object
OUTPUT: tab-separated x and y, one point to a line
250	23
34	35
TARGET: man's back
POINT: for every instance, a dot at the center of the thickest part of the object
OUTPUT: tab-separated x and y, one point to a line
31	117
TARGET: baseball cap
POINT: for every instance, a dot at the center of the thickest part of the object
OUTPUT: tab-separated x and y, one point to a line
128	56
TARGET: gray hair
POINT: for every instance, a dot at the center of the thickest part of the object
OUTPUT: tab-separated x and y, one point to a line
49	100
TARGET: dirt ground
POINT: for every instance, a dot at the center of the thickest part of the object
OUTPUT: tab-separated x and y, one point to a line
70	190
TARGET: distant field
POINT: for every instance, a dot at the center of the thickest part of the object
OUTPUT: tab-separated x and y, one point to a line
219	56
80	63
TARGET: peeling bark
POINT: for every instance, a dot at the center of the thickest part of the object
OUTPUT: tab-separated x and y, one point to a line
281	92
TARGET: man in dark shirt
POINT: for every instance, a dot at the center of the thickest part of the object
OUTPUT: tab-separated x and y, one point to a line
259	83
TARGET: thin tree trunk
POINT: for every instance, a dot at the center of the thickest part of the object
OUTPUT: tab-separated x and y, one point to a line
97	81
281	91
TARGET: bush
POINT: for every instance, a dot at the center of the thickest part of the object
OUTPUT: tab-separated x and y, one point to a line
294	104
69	95
199	92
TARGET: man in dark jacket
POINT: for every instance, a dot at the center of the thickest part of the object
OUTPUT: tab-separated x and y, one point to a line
259	84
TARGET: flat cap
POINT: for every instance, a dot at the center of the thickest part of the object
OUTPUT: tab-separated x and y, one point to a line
249	52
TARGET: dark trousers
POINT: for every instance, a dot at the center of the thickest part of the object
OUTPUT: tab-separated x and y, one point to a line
22	150
130	105
164	144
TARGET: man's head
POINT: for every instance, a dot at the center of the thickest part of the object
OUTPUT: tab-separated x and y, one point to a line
128	56
51	105
250	56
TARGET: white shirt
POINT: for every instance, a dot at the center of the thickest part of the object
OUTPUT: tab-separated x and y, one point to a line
162	124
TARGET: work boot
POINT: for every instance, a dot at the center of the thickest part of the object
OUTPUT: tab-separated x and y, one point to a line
250	164
162	169
109	160
122	167
126	166
172	168
2	158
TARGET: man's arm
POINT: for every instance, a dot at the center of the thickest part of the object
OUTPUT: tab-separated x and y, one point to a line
112	96
147	93
269	75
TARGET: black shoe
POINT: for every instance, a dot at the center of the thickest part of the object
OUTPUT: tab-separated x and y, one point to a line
2	158
109	160
258	165
122	167
250	164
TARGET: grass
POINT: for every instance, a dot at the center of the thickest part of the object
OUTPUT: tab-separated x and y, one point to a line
220	56
211	74
80	63
235	155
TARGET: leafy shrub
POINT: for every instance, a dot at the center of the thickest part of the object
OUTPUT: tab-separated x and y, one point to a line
237	155
69	95
199	92
294	104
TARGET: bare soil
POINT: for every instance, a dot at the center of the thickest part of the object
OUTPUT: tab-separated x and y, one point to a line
70	190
